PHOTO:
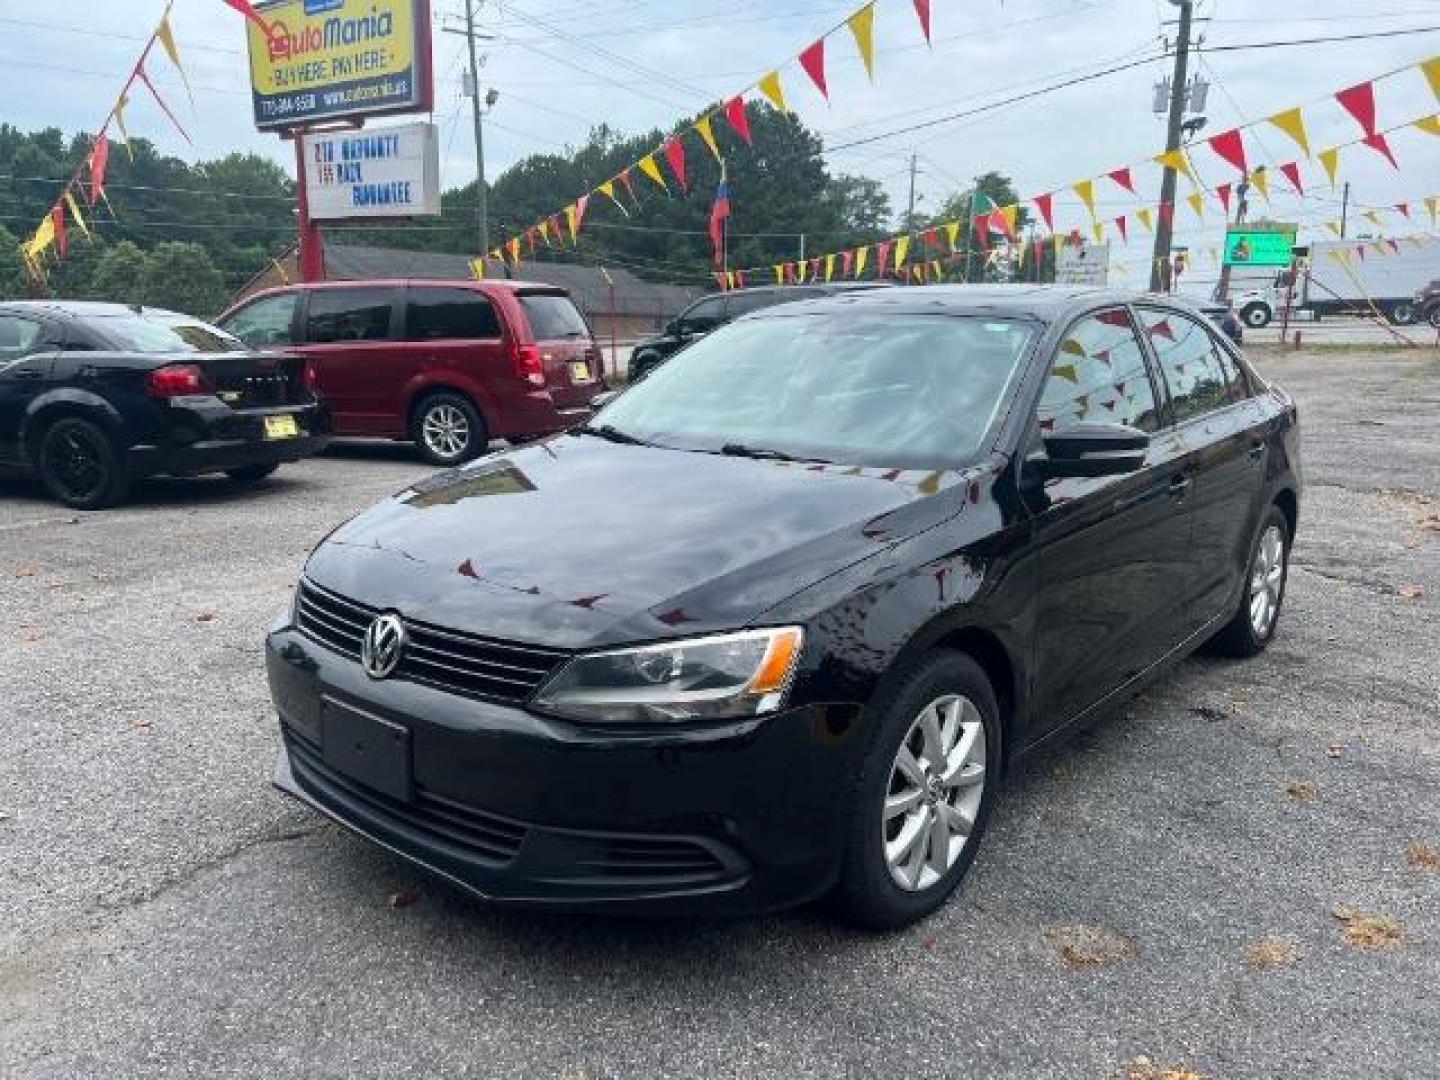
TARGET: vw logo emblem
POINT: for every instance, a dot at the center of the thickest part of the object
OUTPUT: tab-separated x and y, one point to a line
382	646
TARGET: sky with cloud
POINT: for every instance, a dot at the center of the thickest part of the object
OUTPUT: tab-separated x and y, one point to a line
562	66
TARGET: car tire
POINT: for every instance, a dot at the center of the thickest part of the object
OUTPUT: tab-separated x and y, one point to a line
1256	316
80	465
1252	627
448	429
1402	314
898	865
251	474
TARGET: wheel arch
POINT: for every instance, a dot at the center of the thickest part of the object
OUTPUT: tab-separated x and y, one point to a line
417	393
1289	504
45	410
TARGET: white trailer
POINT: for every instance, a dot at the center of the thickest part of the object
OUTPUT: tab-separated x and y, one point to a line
1336	279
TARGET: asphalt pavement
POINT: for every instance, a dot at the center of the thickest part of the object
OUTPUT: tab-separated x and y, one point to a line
1239	876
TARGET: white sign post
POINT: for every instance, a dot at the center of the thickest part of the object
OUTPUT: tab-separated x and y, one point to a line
391	172
1083	264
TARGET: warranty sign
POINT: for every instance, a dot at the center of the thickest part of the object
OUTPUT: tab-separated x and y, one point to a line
328	59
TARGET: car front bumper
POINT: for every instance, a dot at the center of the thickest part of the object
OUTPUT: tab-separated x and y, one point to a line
529	811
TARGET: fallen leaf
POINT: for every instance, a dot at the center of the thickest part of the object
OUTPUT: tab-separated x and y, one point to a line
1062	770
140	724
205	616
55	583
1421	854
1300	790
1411	543
404	898
1335	750
1410	592
26	571
1365	931
1272	952
1238	706
1081	946
1430	521
1142	1068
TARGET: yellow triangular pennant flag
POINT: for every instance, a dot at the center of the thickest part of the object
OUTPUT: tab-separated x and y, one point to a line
902	250
952	233
862	27
707	135
1431	68
167	42
1197	203
829	267
572	219
1146	217
1292	123
120	123
1099	231
514	245
1330	159
1085	189
1432	207
75	213
477	269
651	168
544	227
1011	214
1260	179
862	255
42	239
1333	226
770	87
1429	124
1374	218
1175	159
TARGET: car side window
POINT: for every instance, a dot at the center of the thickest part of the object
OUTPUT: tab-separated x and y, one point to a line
744	303
342	315
1237	386
439	314
704	316
18	337
265	322
1099	374
1188	362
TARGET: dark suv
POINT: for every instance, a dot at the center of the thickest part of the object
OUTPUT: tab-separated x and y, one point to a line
712	312
447	364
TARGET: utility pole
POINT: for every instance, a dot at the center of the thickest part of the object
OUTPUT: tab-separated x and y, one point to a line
1179	92
910	212
1222	287
1345	210
482	219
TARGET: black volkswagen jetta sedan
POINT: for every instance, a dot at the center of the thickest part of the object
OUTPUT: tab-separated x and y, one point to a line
775	623
95	396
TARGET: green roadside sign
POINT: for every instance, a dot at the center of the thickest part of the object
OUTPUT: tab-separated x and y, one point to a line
1259	247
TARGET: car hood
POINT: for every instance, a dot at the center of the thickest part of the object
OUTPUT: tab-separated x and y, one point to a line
577	542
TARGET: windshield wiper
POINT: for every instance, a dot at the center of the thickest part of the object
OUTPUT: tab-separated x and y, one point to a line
611	433
761	453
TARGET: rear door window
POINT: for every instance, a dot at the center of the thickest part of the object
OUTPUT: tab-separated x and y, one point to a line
704	316
265	322
341	315
552	317
1188	362
18	337
449	314
1099	374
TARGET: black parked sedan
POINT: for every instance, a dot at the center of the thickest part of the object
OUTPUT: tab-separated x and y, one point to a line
778	620
95	396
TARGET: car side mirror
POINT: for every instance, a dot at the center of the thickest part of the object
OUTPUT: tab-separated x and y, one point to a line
1091	449
600	400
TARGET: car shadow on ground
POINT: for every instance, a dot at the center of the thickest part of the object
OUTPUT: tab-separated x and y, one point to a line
404	453
161	492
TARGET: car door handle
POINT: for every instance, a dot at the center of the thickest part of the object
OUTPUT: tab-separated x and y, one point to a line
1180	486
1257	448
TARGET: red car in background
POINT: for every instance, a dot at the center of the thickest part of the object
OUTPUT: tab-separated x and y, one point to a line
448	365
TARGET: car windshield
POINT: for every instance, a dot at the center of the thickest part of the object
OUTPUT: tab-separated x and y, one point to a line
163	333
902	391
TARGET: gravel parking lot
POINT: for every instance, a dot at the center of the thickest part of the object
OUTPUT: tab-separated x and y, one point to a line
1240	876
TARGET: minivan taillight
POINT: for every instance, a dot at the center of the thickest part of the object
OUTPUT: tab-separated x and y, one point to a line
525	362
176	380
311	378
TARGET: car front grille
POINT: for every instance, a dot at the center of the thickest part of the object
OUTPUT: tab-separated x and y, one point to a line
463	664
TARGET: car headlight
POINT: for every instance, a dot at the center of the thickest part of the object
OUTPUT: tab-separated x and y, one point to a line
724	676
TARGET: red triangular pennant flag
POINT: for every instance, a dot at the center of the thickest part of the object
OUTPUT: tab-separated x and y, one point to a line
847	259
1046	205
675	155
735	113
922	9
57	215
1360	250
882	258
813	61
1359	102
99	157
1122	177
1291	171
1223	191
981	228
1378	143
1124	233
1404	209
243	6
1230	146
930	238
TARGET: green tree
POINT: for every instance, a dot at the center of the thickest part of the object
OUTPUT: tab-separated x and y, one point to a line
13	280
989	190
119	275
182	277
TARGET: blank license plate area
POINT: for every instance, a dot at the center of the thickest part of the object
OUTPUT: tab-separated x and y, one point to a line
367	749
579	371
281	427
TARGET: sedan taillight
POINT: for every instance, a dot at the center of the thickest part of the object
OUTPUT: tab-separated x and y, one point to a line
176	380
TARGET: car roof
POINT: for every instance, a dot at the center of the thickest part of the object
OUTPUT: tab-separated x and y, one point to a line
1047	303
83	308
823	286
511	284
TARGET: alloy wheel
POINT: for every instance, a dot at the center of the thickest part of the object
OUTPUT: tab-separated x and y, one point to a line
1267	582
936	785
76	462
445	429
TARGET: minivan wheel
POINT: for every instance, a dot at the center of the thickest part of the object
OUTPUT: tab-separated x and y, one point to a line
1253	624
448	429
80	465
924	793
1256	316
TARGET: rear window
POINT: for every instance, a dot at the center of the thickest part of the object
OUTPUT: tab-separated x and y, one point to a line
437	314
552	316
162	334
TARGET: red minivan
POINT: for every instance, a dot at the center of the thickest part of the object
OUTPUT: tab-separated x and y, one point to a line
447	364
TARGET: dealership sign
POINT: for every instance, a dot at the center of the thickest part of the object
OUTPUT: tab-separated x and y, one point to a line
1083	264
1260	245
389	172
328	59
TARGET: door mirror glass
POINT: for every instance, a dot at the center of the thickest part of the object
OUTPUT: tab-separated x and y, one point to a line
1092	448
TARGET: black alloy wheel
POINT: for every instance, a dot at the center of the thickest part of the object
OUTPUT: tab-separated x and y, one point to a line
80	465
